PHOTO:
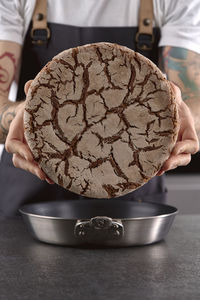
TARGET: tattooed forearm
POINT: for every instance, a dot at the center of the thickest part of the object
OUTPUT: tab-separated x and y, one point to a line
183	67
7	71
6	116
9	57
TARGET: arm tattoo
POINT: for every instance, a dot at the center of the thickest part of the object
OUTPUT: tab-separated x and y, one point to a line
6	77
6	117
183	67
8	64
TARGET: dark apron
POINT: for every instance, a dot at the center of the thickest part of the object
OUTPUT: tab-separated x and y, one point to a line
18	186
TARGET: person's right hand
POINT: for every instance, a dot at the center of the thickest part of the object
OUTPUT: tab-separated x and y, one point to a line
17	145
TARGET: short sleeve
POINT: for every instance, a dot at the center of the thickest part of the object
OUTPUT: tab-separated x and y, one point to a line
181	24
11	21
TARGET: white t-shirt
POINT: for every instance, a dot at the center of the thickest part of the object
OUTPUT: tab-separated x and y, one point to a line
179	20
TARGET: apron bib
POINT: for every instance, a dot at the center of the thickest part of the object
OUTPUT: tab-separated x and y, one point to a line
18	186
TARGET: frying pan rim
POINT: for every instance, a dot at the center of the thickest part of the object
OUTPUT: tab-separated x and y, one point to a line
176	211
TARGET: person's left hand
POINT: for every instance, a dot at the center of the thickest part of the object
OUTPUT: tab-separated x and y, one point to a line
17	145
187	142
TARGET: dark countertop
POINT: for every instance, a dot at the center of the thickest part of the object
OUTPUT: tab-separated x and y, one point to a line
166	270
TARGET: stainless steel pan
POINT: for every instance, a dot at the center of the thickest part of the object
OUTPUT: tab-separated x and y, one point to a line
98	222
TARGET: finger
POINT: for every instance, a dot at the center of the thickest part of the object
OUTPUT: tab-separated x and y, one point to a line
176	161
175	87
49	180
17	147
160	173
15	140
27	85
185	146
188	130
32	167
176	91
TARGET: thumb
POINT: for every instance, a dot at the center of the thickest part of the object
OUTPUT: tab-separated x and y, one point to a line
27	85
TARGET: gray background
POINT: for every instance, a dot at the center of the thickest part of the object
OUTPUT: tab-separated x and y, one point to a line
184	192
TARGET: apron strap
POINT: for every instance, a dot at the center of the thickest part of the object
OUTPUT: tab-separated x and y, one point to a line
40	32
144	36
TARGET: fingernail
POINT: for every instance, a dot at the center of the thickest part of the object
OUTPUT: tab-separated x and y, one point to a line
161	173
39	175
48	181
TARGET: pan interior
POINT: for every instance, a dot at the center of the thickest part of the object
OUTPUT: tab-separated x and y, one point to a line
86	209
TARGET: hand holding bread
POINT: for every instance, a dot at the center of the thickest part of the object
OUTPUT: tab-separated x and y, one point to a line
101	120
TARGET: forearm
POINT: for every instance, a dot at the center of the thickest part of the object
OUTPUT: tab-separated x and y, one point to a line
8	110
183	68
9	62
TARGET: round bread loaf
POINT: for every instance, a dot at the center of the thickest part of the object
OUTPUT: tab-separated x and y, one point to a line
100	120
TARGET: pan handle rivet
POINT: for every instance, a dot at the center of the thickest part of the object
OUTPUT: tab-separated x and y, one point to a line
117	233
81	233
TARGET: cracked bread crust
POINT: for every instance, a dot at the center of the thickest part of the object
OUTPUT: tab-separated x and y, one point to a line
100	120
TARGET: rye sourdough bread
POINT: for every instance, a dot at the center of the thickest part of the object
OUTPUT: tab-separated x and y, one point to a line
100	120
